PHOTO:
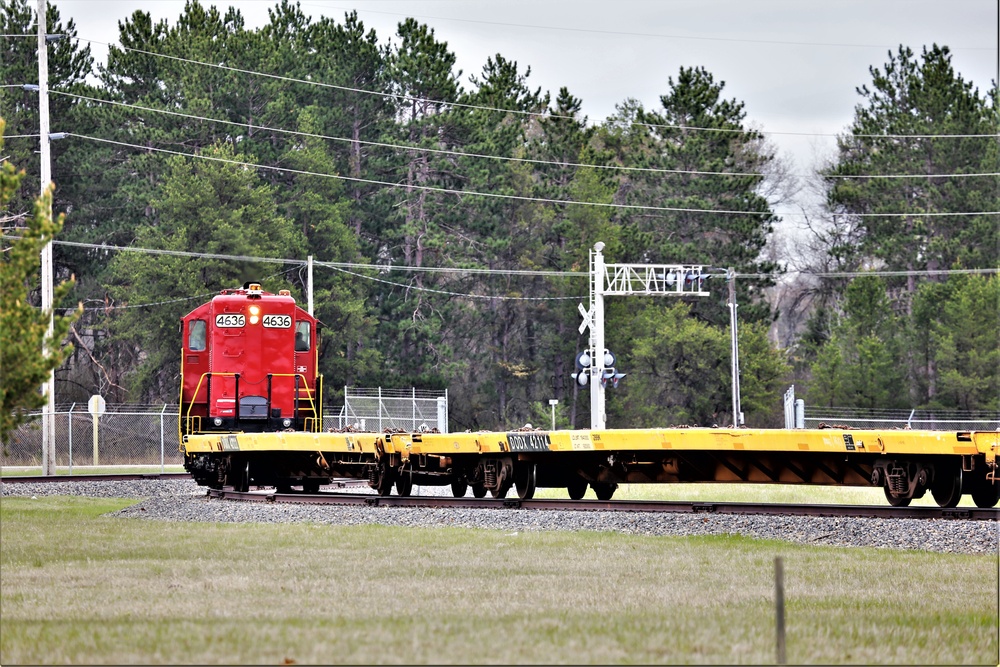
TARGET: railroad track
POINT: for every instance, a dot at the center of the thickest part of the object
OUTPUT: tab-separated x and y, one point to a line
769	509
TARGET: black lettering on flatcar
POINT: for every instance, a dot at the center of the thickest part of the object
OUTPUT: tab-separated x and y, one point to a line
528	442
849	442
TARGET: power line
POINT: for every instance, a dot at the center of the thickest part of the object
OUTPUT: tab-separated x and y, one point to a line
493	195
436	151
459	294
545	114
381	268
427	188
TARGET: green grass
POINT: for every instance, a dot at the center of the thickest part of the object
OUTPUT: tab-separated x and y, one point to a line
77	586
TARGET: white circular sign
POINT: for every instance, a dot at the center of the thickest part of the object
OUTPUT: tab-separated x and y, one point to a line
96	405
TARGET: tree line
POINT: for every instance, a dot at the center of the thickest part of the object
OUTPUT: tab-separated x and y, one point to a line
450	219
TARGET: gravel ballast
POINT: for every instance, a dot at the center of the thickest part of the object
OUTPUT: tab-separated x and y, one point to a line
183	500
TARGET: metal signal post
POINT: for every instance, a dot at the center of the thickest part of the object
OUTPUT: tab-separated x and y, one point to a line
626	280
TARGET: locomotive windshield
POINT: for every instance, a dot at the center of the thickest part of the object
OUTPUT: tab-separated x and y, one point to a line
302	336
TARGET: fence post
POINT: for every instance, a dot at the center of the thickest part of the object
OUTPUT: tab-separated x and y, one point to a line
161	436
779	612
69	423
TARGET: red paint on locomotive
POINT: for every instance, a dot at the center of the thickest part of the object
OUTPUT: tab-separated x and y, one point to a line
249	363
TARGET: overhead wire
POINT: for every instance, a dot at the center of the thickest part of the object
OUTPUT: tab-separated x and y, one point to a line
502	158
381	268
494	195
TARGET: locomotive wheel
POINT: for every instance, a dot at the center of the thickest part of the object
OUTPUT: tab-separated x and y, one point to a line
577	488
604	491
524	480
479	490
947	487
404	484
893	500
459	488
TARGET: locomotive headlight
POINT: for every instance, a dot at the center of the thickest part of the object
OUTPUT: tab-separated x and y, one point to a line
286	422
254	312
253	319
217	421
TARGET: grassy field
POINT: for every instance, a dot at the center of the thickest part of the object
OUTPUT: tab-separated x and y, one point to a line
80	587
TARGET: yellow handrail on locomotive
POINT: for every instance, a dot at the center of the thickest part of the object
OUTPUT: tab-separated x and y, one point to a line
317	416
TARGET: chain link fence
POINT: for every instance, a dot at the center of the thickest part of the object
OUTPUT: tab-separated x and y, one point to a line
147	435
378	409
929	420
124	435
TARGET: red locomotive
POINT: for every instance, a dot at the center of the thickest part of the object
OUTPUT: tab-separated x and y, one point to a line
249	364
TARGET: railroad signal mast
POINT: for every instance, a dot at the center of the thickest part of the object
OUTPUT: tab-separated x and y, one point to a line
624	280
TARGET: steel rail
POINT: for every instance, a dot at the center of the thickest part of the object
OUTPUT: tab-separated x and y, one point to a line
700	507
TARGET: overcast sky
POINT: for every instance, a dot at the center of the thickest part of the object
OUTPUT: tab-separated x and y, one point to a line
794	63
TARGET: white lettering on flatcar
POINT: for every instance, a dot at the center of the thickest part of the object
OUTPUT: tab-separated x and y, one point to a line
230	321
278	321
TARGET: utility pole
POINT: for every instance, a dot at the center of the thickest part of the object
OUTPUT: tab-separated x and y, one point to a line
49	387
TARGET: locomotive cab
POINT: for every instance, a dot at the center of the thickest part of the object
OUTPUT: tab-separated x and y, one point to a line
249	363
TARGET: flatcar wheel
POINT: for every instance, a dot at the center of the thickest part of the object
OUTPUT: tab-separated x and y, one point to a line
404	484
985	493
479	490
311	486
524	481
895	501
385	478
459	487
604	491
502	488
577	488
239	476
947	487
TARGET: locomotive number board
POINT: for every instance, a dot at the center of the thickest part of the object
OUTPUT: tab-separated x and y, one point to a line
277	321
230	321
